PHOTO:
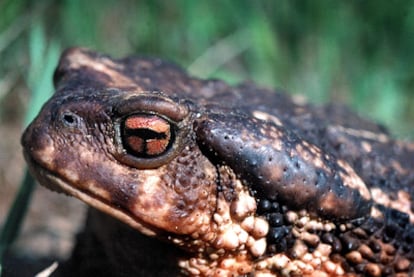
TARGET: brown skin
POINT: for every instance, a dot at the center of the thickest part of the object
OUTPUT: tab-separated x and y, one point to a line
240	179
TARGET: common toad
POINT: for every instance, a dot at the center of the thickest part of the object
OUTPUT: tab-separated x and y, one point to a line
208	179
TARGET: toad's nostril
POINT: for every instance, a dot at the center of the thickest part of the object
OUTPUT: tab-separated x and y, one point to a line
70	119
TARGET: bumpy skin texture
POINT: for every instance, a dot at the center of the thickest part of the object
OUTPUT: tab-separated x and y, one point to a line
227	181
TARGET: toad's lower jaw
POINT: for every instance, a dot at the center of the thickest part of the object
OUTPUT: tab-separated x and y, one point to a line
55	183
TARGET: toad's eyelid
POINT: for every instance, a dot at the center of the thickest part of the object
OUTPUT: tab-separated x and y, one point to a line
150	102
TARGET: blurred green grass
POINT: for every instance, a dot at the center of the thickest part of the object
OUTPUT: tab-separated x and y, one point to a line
357	52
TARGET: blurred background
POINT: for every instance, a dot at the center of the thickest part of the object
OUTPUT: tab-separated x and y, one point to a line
360	53
357	52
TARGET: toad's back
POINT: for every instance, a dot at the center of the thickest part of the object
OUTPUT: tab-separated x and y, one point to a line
223	180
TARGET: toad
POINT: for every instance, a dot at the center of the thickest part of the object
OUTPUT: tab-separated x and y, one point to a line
195	177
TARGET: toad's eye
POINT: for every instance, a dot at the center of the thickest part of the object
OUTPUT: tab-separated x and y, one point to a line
146	135
150	130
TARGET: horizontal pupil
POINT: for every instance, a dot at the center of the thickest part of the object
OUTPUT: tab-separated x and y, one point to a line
145	134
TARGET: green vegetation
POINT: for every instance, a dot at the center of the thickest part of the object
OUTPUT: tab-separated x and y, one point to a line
357	52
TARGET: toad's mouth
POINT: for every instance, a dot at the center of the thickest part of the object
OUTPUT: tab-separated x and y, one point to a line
53	182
